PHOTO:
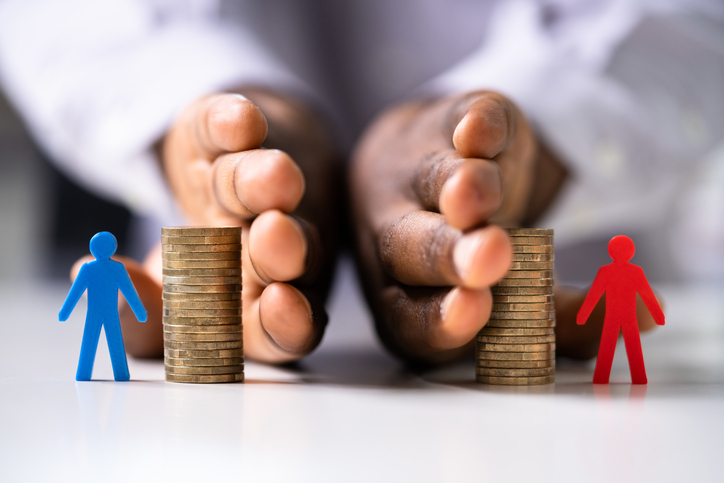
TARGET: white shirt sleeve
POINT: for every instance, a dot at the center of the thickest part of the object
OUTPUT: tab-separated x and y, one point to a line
629	93
98	83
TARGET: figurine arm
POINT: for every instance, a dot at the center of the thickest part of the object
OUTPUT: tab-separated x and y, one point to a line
76	291
647	295
594	294
129	292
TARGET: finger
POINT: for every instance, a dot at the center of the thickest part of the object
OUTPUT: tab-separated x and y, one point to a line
466	191
228	123
483	124
282	325
279	246
420	321
422	249
252	182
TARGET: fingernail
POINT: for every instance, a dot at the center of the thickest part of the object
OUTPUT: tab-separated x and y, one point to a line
464	251
449	299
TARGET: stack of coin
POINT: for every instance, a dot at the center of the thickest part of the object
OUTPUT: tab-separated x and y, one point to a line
202	334
517	345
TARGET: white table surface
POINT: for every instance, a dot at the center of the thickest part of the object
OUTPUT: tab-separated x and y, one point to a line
351	413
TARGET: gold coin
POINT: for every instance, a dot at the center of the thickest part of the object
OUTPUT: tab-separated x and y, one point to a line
204	378
515	364
525	282
485	347
201	280
203	346
509	372
517	323
190	256
515	381
519	339
516	274
203	337
201	297
202	272
521	249
522	299
210	362
201	240
232	247
533	257
503	307
201	288
515	331
536	241
516	266
192	321
201	231
203	329
516	356
202	264
235	369
498	290
202	313
523	315
202	354
202	304
530	231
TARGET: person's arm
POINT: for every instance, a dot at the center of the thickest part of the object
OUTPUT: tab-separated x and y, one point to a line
594	294
76	291
129	292
647	295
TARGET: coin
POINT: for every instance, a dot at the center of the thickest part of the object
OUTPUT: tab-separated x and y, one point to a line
201	288
203	346
201	297
518	308
202	304
201	280
515	274
515	332
201	321
516	364
205	313
522	299
523	315
236	255
203	337
206	362
515	381
531	266
235	369
203	329
510	372
520	249
531	240
485	347
202	272
525	282
201	231
498	290
530	231
516	356
521	323
498	339
533	257
232	247
201	354
204	378
201	240
202	264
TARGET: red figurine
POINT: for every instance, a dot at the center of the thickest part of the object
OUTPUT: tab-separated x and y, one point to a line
620	281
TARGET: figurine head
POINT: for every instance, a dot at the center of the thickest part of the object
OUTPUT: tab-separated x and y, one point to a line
103	245
621	248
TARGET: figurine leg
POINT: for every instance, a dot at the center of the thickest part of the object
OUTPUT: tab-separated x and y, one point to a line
634	352
91	334
605	352
117	350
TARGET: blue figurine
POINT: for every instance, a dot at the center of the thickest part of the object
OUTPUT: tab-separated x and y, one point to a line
103	278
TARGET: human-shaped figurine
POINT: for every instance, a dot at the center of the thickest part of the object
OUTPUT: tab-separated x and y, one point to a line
102	278
620	281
